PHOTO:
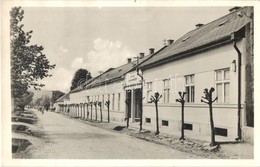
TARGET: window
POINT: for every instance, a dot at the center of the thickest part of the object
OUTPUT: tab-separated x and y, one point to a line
221	131
190	88
118	101
222	85
149	90
165	123
148	120
188	126
113	102
166	90
98	98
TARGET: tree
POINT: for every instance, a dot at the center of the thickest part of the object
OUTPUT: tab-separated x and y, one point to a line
108	113
24	100
80	76
208	100
182	101
56	95
45	102
155	99
100	107
28	63
91	107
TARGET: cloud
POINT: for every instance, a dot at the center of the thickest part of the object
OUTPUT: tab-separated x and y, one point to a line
106	54
77	63
60	80
63	50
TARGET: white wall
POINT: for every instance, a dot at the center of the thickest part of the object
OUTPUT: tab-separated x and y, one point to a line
96	93
203	65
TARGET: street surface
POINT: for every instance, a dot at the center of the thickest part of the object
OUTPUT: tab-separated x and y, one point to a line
72	139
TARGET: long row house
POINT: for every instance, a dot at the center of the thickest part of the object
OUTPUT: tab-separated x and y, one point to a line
218	54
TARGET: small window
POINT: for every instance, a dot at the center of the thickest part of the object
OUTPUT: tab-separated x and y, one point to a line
185	39
148	120
166	90
113	101
149	90
165	123
188	126
222	79
190	88
221	132
222	23
118	102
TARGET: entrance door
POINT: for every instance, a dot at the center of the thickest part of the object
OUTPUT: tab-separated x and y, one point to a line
138	104
128	103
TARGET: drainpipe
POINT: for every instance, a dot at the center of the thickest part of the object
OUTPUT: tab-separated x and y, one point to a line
141	116
239	89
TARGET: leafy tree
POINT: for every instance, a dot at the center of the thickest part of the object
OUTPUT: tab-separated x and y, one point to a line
155	99
80	76
56	95
24	100
38	102
45	102
28	63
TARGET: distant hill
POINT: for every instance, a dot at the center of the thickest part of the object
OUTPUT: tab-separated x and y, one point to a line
40	93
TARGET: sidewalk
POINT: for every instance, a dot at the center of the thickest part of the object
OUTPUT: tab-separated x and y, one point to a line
195	144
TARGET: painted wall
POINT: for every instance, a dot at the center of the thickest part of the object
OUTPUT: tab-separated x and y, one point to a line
117	108
203	66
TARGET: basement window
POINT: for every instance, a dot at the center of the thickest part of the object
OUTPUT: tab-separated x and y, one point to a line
165	123
188	126
223	22
221	132
148	120
185	39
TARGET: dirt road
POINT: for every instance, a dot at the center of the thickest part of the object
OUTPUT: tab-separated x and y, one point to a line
71	139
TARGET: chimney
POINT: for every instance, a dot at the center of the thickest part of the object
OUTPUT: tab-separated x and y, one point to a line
128	60
141	55
199	25
170	41
151	50
234	9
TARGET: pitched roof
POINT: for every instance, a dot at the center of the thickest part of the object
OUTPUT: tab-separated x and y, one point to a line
220	29
112	75
65	96
82	86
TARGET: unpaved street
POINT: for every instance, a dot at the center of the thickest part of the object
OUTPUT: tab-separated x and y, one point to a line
72	139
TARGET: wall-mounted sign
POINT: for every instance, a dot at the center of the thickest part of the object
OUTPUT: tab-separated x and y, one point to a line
132	79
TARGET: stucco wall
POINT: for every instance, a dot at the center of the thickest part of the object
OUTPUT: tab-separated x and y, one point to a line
97	93
203	65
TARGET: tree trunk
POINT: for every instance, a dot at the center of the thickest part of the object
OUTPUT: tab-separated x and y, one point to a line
87	112
157	119
108	117
91	113
96	112
182	121
213	143
101	118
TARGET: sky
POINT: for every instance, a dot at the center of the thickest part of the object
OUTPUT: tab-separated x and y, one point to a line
96	38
